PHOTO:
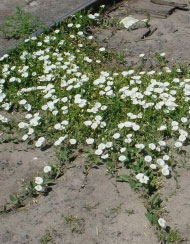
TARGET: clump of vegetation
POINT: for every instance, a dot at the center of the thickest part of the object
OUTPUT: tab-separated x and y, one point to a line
20	25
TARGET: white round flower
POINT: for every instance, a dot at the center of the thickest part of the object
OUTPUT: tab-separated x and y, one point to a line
39	180
102	146
165	170
102	49
140	146
182	138
98	152
136	127
148	159
38	188
105	156
47	169
162	222
141	55
25	137
109	144
153	166
72	141
183	119
116	135
178	144
162	143
123	149
40	142
90	141
160	162
122	158
152	146
166	157
88	122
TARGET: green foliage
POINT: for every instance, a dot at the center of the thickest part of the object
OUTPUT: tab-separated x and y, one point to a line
21	25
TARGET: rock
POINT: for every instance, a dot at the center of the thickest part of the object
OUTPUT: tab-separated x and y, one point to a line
131	23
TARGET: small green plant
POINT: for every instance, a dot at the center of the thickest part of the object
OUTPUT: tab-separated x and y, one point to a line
47	238
20	25
76	224
15	200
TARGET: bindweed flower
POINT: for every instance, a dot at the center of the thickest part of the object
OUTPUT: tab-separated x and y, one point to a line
38	180
122	158
38	188
162	222
47	169
90	141
73	141
40	142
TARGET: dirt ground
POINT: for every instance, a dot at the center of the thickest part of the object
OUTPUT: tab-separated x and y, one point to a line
171	35
91	209
47	10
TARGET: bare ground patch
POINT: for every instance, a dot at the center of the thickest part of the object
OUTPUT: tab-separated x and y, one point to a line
81	209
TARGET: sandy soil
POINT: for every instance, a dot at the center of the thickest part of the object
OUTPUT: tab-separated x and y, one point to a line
171	36
81	209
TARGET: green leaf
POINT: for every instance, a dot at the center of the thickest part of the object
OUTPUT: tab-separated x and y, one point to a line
152	218
123	178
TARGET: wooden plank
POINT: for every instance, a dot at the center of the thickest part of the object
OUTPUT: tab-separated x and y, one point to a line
182	6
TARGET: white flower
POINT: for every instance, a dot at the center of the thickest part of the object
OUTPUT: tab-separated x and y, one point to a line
102	146
88	122
72	141
70	25
160	162
39	180
148	159
183	119
142	178
40	142
182	138
38	188
116	135
162	143
102	49
90	141
25	137
153	166
98	152
80	33
141	55
123	149
109	144
22	125
91	16
105	156
140	146
162	222
122	158
136	127
47	169
162	54
152	146
165	170
166	157
178	144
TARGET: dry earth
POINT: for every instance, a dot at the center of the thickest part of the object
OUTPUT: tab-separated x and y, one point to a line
91	209
172	34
